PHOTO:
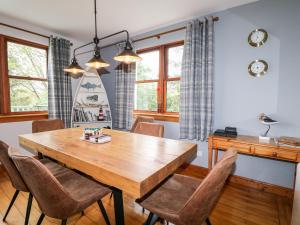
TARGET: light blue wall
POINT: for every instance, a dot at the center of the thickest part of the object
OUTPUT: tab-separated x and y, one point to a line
239	98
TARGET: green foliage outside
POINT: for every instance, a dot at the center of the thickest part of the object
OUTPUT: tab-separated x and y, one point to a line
148	69
173	96
147	96
27	95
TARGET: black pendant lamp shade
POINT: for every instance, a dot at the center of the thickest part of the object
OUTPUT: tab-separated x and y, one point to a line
128	55
74	69
97	62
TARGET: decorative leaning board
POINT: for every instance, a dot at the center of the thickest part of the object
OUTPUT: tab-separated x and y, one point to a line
90	98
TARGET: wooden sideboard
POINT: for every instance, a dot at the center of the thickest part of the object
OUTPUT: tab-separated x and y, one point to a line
250	145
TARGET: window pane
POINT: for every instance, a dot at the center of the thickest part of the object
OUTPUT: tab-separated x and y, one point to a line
146	96
24	60
28	95
148	68
174	61
173	96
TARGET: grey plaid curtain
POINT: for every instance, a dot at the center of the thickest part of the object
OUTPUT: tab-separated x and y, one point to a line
59	84
196	86
125	81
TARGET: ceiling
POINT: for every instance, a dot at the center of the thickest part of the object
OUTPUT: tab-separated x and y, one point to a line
74	18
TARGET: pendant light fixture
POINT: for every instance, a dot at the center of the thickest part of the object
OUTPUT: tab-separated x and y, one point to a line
74	68
127	56
96	62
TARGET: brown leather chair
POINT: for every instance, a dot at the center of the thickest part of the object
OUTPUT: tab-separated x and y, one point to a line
63	194
16	180
184	200
139	119
15	177
152	129
47	125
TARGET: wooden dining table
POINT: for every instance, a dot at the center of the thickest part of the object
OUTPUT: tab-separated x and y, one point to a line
131	163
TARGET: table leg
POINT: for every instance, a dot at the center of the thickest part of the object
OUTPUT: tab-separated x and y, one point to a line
119	208
210	153
216	154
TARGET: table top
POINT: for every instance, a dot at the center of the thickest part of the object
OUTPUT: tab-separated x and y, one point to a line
253	140
133	163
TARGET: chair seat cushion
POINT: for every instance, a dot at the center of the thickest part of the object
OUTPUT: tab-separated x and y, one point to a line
82	189
171	196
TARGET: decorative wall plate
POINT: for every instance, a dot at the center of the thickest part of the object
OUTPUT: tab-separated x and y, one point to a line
257	37
258	68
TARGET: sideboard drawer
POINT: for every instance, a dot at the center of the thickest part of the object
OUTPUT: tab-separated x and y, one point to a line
241	147
275	153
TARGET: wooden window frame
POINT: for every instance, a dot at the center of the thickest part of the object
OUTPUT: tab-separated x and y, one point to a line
5	111
161	113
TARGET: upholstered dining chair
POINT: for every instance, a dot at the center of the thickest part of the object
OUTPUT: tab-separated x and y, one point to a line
47	125
139	119
184	200
62	195
15	177
16	180
152	129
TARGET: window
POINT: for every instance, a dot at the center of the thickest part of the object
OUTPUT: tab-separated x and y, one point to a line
23	78
157	85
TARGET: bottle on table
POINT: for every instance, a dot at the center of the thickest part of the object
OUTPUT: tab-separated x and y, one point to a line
101	114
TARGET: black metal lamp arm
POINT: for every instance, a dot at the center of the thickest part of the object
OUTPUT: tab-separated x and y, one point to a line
82	46
108	36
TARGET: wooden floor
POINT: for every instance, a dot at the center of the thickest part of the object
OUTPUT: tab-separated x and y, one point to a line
237	206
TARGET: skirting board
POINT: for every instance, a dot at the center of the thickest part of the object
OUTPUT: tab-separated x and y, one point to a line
201	172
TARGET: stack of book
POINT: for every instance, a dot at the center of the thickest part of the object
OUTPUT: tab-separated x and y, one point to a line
80	115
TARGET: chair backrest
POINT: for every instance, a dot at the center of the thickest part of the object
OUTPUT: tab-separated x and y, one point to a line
152	129
141	119
47	125
200	204
11	169
52	198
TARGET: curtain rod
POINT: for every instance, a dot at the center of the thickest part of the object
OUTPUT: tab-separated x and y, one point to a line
27	31
215	19
21	29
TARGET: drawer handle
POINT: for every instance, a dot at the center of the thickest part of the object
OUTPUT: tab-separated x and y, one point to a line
274	154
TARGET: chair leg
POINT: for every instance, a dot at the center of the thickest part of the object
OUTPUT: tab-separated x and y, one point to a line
208	221
39	222
103	211
152	219
148	221
11	204
28	209
64	222
111	195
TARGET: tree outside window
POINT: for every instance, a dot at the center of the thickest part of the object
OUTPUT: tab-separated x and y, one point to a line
157	88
